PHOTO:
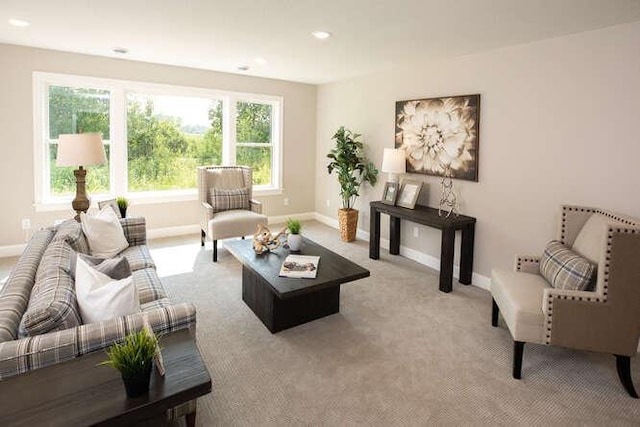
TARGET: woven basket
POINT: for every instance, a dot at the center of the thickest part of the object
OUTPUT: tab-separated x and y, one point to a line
348	222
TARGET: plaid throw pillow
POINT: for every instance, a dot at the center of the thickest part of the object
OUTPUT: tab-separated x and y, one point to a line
565	269
227	199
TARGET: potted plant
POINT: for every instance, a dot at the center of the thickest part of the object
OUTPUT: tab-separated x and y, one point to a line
123	204
352	167
134	359
295	238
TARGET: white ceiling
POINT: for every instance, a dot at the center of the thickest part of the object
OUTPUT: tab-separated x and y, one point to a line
368	35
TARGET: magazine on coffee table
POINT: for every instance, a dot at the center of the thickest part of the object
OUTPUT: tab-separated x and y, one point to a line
300	266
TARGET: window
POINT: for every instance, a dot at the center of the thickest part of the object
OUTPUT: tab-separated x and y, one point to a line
154	135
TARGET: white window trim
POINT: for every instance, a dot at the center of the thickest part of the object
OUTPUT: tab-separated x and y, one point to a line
118	122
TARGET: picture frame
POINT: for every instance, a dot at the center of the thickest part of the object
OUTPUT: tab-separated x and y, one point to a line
112	203
440	136
409	193
390	193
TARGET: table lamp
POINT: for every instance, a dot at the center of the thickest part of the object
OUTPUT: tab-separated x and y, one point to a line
394	163
82	149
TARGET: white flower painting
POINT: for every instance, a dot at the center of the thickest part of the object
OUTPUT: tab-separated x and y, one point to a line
439	134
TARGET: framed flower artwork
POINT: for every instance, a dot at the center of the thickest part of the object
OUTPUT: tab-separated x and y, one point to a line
439	134
390	193
409	193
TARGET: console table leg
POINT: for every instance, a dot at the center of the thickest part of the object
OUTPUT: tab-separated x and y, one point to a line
394	235
374	234
466	254
446	259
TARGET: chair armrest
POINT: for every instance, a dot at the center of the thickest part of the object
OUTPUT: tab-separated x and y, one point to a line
135	230
256	206
527	264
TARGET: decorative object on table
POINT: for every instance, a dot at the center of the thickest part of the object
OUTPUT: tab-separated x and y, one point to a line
134	359
352	167
390	194
114	205
123	204
265	241
300	266
448	199
79	150
394	163
409	193
435	132
294	239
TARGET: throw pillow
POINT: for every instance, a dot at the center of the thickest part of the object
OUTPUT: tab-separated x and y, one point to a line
104	233
100	297
117	268
565	269
228	199
591	237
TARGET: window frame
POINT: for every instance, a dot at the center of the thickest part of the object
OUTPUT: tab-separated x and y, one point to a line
118	173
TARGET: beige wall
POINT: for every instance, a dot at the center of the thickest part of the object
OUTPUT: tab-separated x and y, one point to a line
558	125
16	133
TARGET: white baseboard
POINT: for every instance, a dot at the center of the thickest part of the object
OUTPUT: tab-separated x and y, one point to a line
12	250
281	219
158	233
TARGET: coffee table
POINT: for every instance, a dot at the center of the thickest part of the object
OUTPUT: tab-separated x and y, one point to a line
284	302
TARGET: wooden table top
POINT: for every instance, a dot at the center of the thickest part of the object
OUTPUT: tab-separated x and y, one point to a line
78	392
333	269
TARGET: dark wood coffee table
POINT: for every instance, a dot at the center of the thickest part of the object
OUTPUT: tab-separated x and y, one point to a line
79	393
283	302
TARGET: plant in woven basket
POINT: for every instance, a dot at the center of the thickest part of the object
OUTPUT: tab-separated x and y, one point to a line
352	167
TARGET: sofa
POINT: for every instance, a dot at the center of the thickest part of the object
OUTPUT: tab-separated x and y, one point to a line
39	297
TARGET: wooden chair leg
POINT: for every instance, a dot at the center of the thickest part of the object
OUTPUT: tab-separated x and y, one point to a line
215	251
623	364
518	349
495	310
202	236
191	419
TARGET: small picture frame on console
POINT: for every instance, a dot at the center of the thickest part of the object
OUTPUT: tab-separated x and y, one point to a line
390	193
409	193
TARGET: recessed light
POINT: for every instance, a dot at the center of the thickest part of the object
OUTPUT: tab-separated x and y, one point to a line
321	35
18	23
260	60
242	67
120	50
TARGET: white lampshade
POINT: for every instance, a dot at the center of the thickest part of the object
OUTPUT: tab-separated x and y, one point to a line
80	149
394	163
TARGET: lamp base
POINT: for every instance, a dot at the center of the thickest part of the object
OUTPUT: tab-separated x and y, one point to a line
81	202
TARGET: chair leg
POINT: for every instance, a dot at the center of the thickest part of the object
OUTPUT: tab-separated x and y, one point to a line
623	363
191	419
215	251
518	348
202	236
495	310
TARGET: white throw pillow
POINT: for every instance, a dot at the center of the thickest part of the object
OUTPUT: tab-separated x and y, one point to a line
104	233
100	297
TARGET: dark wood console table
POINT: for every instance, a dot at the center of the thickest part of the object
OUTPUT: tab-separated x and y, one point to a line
428	216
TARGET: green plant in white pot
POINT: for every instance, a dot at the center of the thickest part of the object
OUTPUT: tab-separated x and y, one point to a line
295	238
353	169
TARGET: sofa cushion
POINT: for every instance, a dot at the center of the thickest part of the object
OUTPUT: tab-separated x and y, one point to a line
228	199
101	296
139	257
148	285
14	295
104	233
565	269
71	231
52	305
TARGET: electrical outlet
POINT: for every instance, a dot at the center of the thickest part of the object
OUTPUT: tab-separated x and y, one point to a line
416	232
26	224
286	201
328	203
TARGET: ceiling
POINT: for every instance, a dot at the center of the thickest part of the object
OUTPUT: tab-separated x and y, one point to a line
367	35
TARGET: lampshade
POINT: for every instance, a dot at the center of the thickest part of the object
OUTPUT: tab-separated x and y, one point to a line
80	149
393	161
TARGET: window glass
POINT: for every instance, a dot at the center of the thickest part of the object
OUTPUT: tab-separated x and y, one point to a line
78	110
63	181
253	135
259	158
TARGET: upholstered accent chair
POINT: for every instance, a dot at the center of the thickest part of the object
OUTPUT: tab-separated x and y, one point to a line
228	209
552	300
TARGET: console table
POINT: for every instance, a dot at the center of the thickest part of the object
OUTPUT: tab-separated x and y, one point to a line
78	392
428	216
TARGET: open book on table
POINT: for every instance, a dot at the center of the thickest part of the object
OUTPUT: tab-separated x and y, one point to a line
300	266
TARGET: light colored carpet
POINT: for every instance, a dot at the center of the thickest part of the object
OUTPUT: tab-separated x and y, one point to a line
399	353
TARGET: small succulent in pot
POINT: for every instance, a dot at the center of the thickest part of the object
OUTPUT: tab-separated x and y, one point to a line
294	225
295	238
123	204
134	359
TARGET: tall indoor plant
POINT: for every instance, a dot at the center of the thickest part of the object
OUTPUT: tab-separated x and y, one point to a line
349	162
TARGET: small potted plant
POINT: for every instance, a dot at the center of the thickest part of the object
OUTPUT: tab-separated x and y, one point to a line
123	204
134	359
295	238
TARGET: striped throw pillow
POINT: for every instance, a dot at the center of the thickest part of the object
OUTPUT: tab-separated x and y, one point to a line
227	199
565	269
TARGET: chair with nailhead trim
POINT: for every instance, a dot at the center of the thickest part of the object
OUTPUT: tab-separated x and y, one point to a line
605	320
